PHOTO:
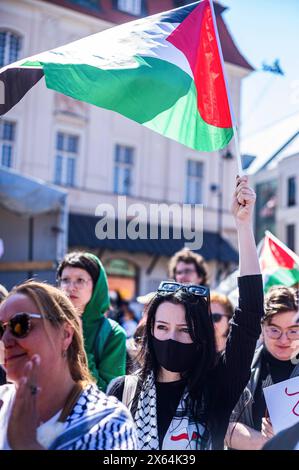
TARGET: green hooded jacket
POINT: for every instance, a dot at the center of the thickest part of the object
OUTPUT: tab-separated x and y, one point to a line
104	339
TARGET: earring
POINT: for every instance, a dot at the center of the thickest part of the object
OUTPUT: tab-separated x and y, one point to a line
64	353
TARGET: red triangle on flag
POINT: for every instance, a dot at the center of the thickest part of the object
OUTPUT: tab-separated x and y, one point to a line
273	255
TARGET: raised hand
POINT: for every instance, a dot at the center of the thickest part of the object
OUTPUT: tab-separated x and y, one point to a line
242	209
243	201
24	420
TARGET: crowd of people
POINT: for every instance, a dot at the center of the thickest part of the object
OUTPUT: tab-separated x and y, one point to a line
189	375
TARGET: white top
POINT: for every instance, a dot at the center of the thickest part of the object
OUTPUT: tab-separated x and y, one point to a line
46	432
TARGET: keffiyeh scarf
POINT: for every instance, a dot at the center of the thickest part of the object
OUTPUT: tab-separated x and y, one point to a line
183	433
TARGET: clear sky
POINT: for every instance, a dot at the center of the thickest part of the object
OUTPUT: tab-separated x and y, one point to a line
265	30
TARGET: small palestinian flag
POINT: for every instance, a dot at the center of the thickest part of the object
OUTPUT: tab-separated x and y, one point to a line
163	71
279	264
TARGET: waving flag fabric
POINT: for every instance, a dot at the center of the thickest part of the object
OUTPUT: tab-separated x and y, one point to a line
163	71
279	264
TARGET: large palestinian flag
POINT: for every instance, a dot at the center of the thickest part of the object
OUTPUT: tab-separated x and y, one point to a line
279	264
163	71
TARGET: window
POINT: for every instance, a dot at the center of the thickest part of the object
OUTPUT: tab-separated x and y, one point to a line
7	140
194	182
180	3
265	208
130	6
66	157
88	4
123	169
291	232
291	191
10	46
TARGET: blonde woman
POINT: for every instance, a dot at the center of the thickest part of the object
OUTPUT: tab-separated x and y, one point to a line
52	402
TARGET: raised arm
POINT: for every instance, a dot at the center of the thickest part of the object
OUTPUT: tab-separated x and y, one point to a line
233	370
242	208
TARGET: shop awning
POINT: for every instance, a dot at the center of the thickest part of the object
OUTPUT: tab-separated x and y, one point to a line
28	196
82	234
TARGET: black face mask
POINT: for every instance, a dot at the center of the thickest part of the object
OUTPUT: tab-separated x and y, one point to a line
173	355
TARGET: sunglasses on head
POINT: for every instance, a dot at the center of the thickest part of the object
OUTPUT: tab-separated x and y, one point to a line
193	289
216	317
19	325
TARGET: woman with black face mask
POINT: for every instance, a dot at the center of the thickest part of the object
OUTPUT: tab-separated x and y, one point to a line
183	395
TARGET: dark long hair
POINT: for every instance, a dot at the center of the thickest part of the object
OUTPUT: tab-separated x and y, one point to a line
201	329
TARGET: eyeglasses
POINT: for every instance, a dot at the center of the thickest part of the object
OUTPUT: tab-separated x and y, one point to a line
274	332
171	287
19	325
78	283
217	317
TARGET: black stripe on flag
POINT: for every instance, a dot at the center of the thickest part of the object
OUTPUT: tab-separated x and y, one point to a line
15	84
178	15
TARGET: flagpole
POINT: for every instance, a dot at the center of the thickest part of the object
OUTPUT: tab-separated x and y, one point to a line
236	135
237	150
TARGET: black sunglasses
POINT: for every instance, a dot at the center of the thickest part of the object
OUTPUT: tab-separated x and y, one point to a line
19	325
216	317
194	289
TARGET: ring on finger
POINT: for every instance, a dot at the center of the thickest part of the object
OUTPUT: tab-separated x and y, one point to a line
33	389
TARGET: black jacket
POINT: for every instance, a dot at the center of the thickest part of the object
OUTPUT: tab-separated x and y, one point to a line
228	379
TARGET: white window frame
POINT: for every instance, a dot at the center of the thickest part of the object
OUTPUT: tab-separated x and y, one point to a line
192	181
66	156
10	143
9	35
121	167
134	7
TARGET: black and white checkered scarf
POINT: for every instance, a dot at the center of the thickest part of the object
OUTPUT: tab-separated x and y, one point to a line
183	433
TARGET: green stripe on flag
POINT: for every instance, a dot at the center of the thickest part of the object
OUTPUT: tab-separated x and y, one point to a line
155	93
183	123
139	93
283	276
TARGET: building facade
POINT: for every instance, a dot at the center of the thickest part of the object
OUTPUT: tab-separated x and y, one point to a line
276	184
98	155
